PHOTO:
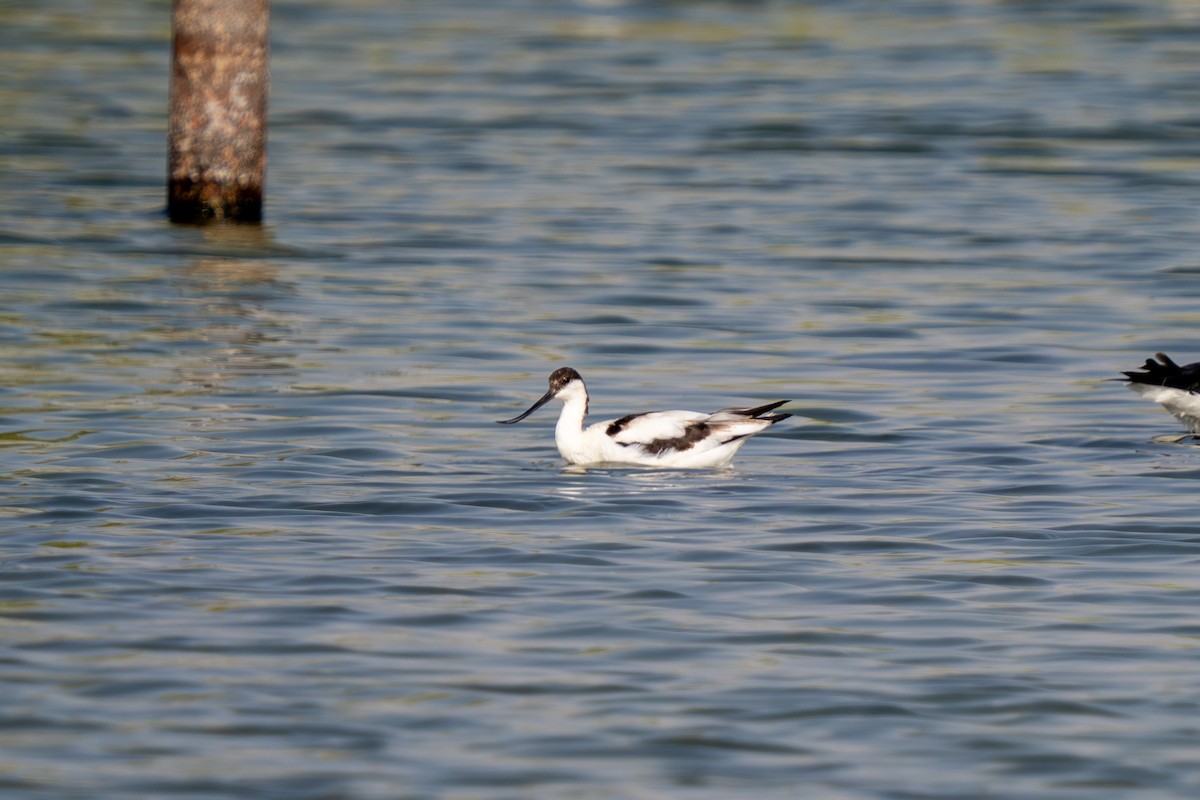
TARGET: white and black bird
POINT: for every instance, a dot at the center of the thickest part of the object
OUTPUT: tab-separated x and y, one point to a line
670	439
1175	388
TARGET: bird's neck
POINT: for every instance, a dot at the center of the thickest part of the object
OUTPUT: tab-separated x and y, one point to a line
570	421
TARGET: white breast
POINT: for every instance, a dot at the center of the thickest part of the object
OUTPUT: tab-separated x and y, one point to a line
1184	405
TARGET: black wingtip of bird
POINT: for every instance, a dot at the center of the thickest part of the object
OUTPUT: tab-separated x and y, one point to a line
757	413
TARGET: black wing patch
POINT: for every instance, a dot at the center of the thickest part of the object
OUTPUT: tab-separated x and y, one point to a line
695	432
692	433
1166	372
618	425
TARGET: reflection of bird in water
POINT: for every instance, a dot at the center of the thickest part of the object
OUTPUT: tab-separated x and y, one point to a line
1172	386
671	439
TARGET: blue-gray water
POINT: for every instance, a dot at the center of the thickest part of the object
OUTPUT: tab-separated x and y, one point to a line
261	537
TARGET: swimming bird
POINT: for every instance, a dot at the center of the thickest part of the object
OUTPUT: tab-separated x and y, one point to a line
1174	387
670	439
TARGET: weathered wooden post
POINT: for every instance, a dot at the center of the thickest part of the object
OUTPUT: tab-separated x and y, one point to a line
217	137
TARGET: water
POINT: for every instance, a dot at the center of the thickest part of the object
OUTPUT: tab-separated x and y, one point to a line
262	538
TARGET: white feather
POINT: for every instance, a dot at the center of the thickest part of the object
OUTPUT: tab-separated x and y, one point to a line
1184	405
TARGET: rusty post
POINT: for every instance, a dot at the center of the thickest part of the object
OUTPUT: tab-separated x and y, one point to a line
217	135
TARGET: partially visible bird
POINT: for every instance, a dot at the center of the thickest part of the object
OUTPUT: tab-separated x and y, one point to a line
1174	387
670	439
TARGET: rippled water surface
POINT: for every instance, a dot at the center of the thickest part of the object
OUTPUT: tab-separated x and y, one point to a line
261	537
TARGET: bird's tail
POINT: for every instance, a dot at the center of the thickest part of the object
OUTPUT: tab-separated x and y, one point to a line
759	412
1163	372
